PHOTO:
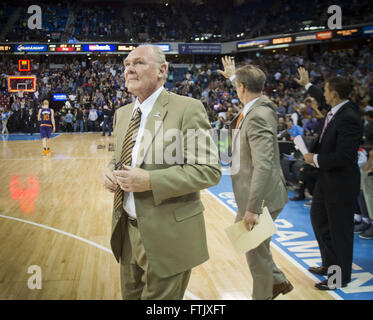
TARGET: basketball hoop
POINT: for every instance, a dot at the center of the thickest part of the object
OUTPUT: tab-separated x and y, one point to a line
21	84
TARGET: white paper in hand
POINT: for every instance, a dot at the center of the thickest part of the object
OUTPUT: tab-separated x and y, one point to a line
299	143
244	240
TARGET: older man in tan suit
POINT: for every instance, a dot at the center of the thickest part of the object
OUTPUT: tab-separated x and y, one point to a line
157	171
257	177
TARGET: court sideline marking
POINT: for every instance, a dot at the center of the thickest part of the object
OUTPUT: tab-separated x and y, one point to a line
187	293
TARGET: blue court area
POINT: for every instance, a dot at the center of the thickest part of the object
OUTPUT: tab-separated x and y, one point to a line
23	136
295	238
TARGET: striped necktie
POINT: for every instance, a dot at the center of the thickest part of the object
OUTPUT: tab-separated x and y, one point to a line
126	155
328	117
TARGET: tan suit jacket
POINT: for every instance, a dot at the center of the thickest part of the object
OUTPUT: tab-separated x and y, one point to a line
256	170
170	216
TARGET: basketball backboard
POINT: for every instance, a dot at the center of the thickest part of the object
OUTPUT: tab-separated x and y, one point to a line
21	83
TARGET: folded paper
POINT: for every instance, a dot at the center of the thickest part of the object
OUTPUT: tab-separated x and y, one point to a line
244	240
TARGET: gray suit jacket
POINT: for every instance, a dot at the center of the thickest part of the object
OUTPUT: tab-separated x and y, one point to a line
256	172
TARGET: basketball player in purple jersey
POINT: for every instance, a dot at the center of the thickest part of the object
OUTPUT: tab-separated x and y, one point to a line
47	125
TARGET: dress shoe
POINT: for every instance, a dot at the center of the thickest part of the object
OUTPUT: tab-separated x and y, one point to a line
284	288
324	285
361	227
322	271
367	234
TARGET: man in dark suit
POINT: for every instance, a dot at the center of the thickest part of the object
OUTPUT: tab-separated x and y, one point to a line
338	179
30	121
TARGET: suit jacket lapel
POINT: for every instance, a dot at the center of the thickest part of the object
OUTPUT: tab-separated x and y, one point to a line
332	121
256	103
153	124
340	109
234	121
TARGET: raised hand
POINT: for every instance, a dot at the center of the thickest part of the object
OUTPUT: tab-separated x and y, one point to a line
229	67
303	77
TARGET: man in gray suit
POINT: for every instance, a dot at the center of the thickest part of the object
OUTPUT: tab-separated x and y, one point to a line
257	177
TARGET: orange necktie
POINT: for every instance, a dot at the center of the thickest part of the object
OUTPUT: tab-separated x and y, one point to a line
239	120
237	126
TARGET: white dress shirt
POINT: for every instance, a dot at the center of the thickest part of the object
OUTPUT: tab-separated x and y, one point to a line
308	85
333	110
232	77
145	107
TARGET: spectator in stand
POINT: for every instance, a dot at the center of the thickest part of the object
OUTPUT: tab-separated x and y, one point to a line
92	118
281	110
310	126
78	120
314	117
293	105
283	133
220	123
4	119
107	120
57	119
294	130
100	116
85	119
296	115
69	121
280	120
30	121
308	111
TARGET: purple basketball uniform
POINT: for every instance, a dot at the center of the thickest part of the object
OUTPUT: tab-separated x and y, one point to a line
46	123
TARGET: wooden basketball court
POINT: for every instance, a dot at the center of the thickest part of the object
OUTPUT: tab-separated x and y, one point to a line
55	214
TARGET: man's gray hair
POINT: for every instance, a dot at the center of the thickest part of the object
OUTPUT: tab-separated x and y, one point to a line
159	56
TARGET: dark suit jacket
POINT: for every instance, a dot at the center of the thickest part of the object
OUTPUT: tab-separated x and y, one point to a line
339	174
